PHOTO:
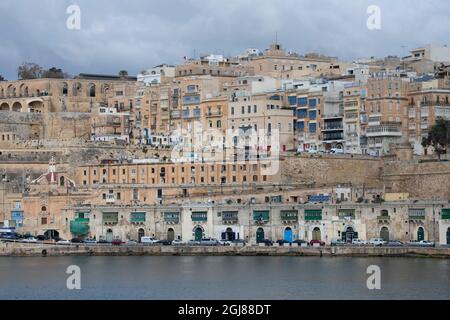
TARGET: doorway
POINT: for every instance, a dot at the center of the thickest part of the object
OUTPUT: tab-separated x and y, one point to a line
171	234
420	234
317	235
109	236
141	234
198	234
384	234
260	235
288	234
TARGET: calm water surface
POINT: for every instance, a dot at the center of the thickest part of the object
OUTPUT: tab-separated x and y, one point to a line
173	278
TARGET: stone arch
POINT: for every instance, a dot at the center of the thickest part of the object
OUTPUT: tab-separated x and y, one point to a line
22	89
91	90
4	107
77	87
2	92
17	107
105	88
36	106
11	91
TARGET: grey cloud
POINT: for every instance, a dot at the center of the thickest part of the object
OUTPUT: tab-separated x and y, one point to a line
137	34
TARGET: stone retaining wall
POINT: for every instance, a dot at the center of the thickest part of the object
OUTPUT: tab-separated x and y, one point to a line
31	250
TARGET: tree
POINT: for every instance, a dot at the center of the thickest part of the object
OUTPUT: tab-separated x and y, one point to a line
123	74
29	70
53	73
2	78
438	137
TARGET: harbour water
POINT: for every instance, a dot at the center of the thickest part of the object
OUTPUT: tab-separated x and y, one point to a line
201	278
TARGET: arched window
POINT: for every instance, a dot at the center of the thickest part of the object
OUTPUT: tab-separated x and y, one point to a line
65	89
219	124
61	181
92	91
44	209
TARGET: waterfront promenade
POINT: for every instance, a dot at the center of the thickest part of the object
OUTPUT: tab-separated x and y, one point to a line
39	250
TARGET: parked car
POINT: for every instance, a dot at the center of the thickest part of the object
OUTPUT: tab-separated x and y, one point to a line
300	242
359	242
63	242
164	242
225	243
424	243
132	243
395	243
267	242
77	240
116	242
90	241
283	242
239	242
315	242
312	151
193	243
337	151
337	243
148	240
103	242
29	240
43	238
209	242
178	242
10	236
378	242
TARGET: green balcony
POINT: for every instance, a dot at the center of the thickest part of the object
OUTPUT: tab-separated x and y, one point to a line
261	216
445	214
172	217
110	218
200	216
313	215
289	215
347	213
137	217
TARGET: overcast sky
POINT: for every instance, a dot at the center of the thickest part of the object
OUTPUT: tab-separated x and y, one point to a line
138	34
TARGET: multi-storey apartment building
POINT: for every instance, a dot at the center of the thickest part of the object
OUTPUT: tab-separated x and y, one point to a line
355	118
277	64
265	117
308	106
386	106
428	101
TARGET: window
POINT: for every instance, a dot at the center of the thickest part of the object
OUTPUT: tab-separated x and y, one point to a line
44	220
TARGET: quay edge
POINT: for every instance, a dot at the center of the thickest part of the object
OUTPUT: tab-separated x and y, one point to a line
21	250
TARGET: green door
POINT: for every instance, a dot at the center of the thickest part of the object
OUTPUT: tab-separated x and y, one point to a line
384	234
420	234
259	235
198	234
448	236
